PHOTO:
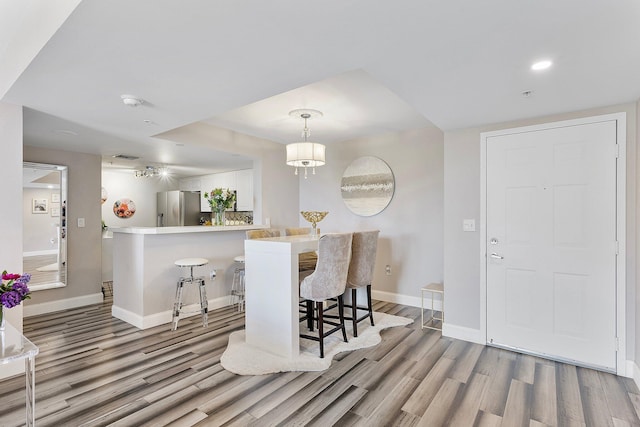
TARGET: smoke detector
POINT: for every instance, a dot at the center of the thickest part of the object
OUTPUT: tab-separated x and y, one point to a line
131	100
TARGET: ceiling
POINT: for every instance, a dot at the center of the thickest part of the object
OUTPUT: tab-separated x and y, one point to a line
236	68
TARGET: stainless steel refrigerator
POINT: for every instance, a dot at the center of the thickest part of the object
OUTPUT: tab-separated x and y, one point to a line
177	208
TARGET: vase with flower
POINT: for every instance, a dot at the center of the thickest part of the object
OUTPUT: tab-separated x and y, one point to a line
220	199
13	290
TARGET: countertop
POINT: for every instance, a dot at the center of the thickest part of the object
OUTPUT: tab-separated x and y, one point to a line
185	229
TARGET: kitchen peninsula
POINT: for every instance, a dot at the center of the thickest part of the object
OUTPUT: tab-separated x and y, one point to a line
144	274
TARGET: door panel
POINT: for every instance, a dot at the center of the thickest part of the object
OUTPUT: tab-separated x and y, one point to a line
551	212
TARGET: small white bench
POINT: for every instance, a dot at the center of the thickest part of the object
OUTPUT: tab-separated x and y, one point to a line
431	323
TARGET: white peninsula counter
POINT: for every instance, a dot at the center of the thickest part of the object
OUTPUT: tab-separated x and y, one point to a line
145	276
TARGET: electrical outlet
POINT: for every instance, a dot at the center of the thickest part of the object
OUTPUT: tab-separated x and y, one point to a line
387	270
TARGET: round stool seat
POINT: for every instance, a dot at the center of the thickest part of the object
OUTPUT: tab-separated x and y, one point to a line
239	258
191	262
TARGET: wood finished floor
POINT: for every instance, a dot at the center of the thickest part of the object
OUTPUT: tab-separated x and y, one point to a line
32	263
95	370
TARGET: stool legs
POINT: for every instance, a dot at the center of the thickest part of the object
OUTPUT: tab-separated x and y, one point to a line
177	305
354	309
204	302
237	288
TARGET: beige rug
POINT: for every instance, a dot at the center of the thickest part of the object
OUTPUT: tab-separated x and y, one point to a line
242	359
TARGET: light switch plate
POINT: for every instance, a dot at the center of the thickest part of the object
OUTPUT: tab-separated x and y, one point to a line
80	222
468	225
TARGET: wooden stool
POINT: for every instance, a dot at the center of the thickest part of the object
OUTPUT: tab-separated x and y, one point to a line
177	305
433	288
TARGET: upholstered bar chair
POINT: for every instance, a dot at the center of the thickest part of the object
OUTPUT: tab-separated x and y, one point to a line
363	260
328	281
237	284
306	260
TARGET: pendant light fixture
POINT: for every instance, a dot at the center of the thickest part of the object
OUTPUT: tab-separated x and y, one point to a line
305	154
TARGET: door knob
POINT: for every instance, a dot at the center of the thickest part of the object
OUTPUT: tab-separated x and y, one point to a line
496	256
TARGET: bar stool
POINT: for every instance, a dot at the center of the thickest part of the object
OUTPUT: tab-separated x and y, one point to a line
237	284
204	305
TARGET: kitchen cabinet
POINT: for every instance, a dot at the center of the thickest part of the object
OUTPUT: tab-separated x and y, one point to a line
189	184
206	185
240	181
244	187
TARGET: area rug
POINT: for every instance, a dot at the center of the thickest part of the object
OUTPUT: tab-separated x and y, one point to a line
242	359
50	267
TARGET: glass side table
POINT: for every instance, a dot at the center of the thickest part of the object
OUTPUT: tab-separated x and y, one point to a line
15	346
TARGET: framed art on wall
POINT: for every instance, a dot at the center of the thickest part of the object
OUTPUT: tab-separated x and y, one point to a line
367	186
39	206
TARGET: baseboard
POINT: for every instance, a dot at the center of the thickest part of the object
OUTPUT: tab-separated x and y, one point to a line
36	253
633	372
164	317
63	304
406	299
462	333
46	286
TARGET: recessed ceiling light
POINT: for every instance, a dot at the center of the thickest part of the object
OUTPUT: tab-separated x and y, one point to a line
541	65
131	100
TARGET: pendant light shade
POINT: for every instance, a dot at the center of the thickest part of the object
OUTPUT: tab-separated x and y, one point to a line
305	154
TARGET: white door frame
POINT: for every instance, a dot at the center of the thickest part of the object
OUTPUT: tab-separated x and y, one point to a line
621	176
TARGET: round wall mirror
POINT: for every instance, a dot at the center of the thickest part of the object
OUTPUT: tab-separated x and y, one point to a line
367	186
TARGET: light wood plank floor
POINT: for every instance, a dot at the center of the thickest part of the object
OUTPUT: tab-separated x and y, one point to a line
32	263
96	370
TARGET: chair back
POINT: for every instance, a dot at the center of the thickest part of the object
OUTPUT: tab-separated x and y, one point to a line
363	258
297	231
263	233
330	277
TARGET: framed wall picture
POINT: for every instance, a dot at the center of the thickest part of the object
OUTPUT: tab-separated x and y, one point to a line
55	211
55	198
39	206
367	186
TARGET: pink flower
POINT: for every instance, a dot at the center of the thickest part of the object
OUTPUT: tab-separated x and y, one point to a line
10	276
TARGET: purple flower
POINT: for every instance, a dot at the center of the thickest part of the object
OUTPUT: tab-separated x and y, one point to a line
21	288
10	299
24	278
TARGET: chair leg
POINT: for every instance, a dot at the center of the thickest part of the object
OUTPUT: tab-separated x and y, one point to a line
321	329
341	316
369	304
354	311
309	314
204	304
177	305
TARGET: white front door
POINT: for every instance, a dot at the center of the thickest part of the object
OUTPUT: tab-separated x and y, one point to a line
551	242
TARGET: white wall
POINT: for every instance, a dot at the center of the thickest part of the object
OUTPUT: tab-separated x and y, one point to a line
11	219
462	200
411	235
40	228
123	184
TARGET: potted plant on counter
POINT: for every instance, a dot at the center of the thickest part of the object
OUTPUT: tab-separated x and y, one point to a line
220	199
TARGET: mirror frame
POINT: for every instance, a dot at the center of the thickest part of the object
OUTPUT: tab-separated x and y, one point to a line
62	232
